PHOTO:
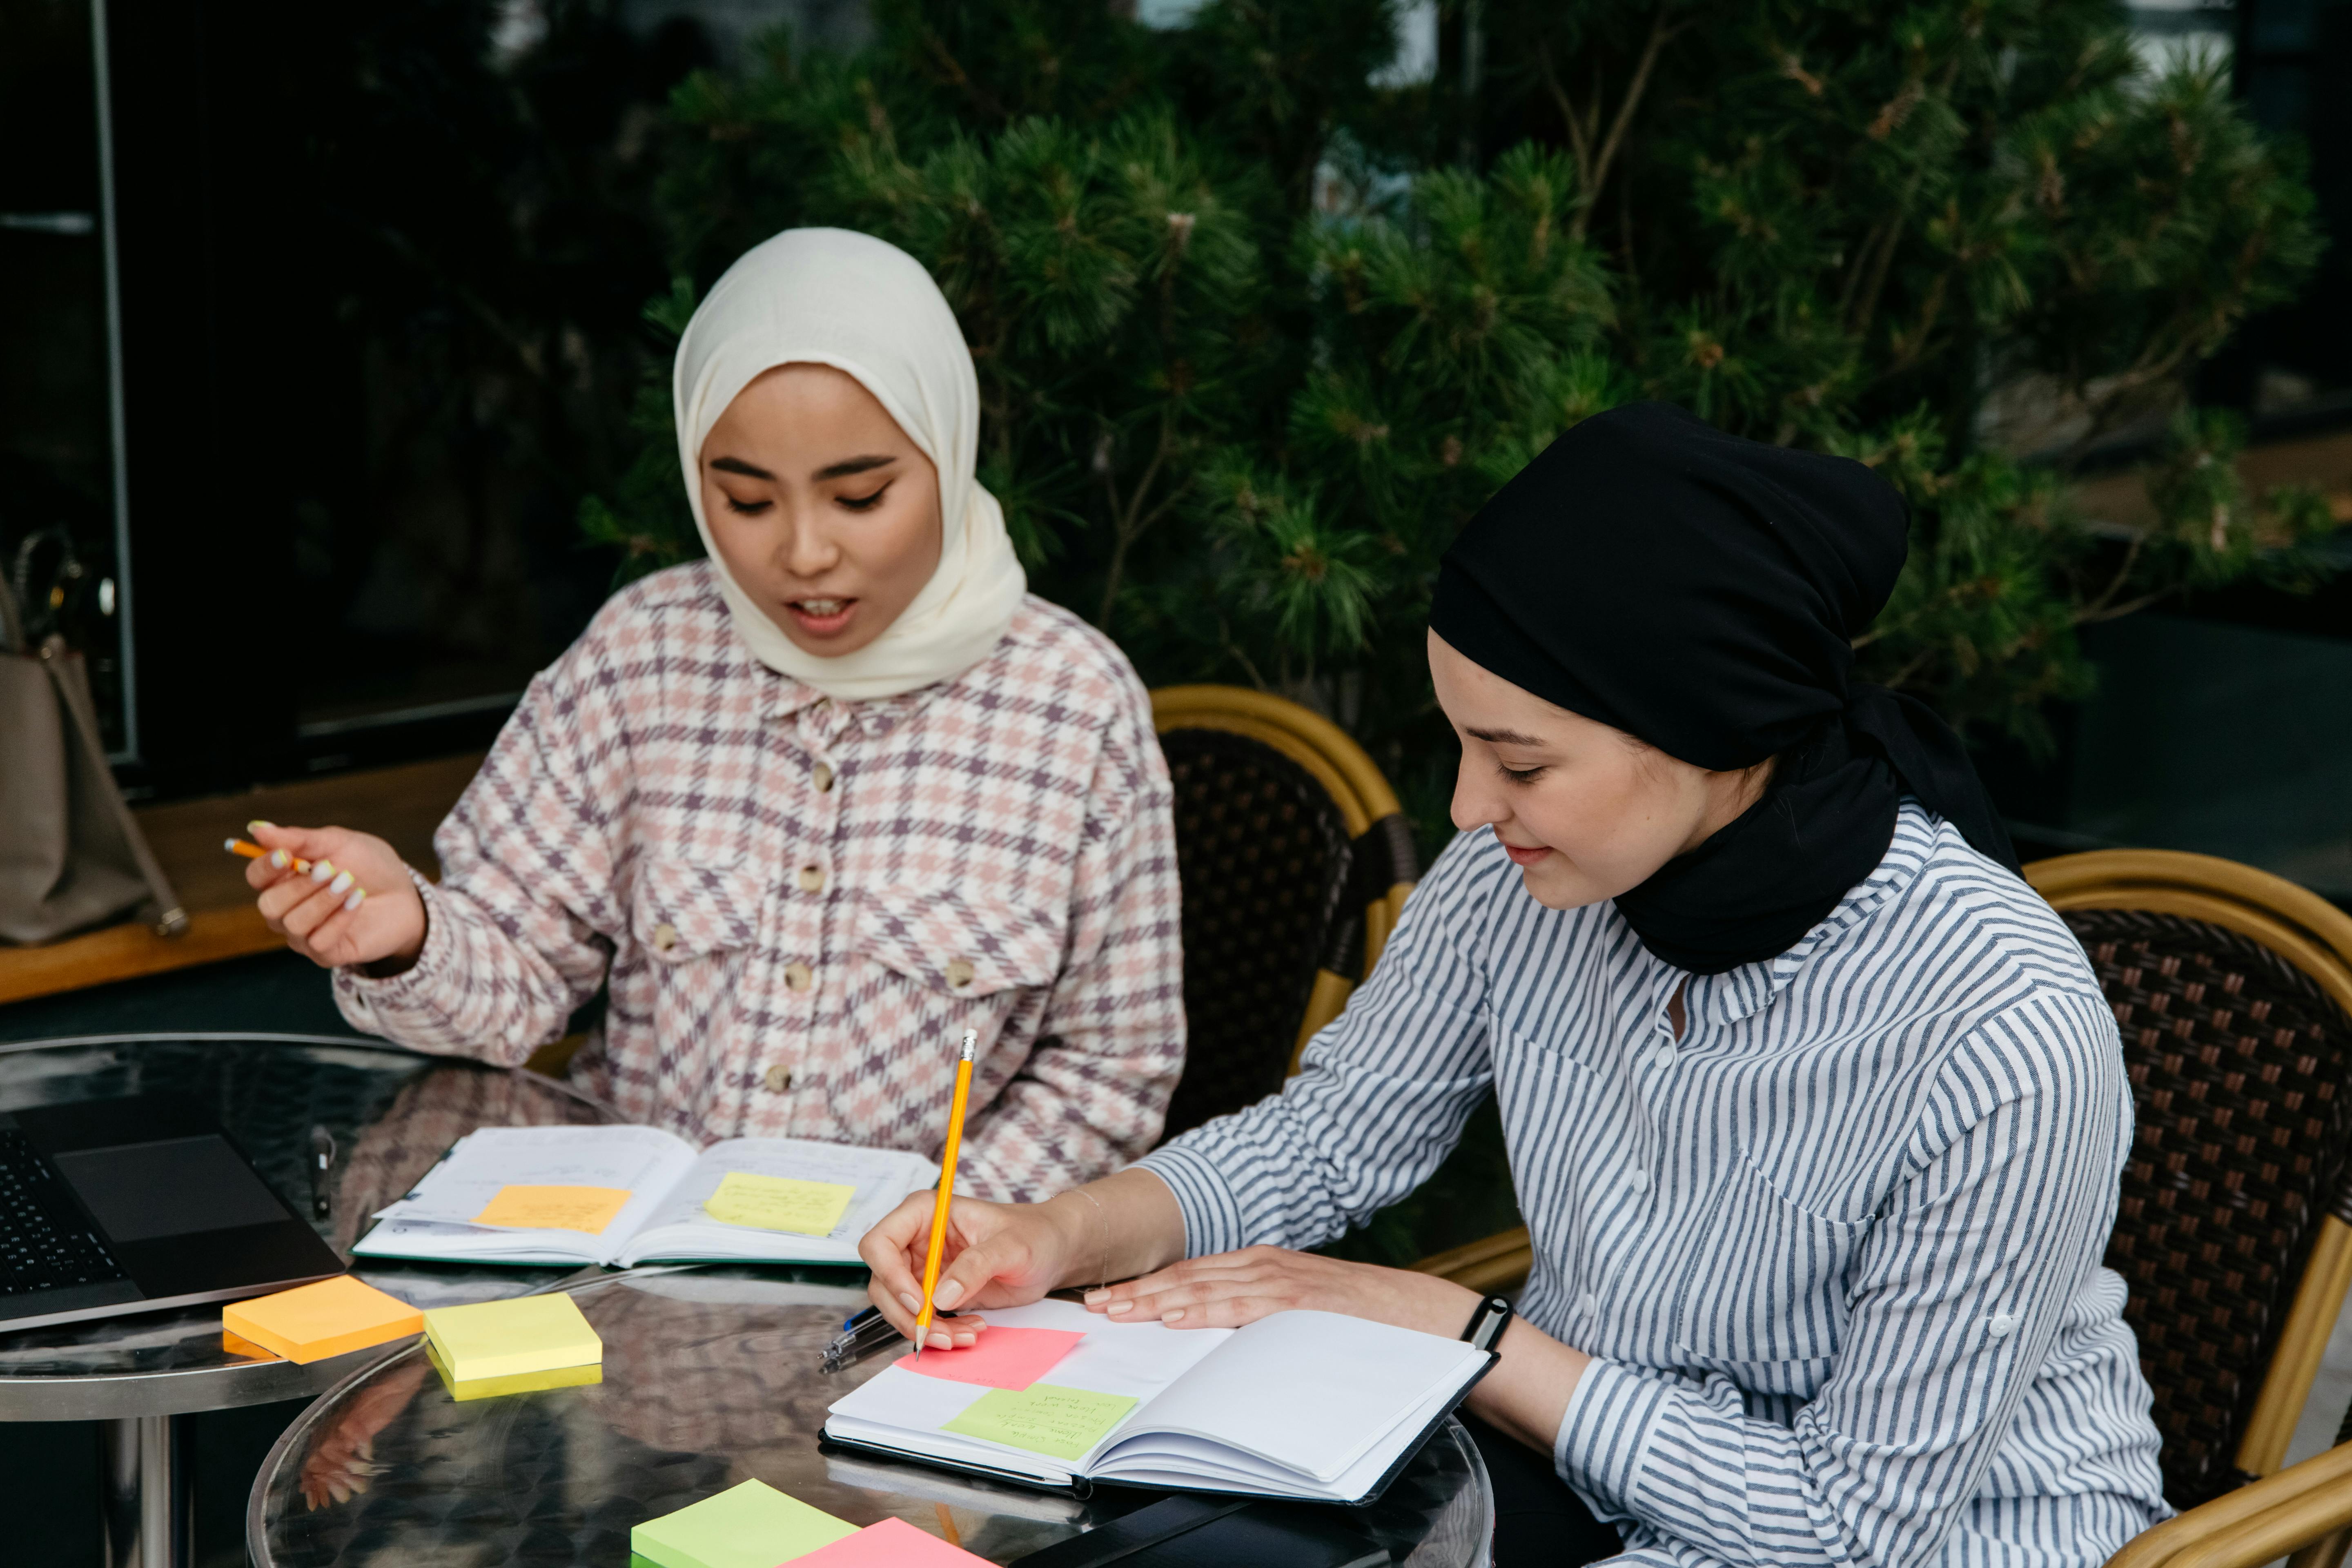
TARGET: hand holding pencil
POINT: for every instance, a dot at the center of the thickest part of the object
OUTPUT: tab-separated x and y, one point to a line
921	1251
338	897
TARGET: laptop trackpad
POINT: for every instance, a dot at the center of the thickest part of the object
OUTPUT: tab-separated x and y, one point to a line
172	1186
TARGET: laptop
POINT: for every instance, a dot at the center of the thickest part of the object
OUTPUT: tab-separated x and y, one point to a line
112	1206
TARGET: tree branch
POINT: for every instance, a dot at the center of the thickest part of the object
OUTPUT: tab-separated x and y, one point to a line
1659	36
1578	147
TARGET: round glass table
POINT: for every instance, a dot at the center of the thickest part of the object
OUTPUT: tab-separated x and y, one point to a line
710	1378
384	1113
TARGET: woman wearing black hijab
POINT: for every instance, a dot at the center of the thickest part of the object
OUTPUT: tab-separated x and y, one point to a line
1815	1110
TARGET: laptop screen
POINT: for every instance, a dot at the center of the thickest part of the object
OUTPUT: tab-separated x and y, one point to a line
172	1186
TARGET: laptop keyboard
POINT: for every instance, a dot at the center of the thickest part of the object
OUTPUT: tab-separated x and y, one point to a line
44	1241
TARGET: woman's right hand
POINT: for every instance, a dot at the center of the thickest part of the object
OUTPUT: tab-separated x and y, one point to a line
998	1255
355	905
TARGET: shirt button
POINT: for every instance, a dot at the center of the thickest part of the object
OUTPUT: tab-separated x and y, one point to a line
822	777
1639	1181
1663	1058
664	937
799	976
778	1078
1589	1304
959	972
2001	1325
812	879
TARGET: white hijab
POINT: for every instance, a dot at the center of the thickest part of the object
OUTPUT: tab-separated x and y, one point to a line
826	296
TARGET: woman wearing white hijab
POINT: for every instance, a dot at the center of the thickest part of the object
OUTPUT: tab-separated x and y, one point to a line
811	807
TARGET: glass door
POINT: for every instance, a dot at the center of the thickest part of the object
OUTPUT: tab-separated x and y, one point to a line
64	534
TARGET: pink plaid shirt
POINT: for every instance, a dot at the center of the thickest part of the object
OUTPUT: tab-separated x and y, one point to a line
804	903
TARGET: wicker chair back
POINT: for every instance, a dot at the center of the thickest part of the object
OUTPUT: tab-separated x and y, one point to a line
2238	1064
1262	853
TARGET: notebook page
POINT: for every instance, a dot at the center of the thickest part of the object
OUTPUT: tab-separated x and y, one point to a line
1313	1393
1168	1459
644	1160
883	1178
1139	1361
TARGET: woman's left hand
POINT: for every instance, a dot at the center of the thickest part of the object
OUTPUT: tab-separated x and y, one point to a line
1230	1288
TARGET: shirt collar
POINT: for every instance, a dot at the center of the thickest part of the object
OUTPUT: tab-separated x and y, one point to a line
785	697
1748	990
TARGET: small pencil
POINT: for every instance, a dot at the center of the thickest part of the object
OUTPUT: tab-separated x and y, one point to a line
947	1187
300	866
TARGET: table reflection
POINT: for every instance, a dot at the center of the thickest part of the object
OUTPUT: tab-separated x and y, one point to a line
710	1379
391	1114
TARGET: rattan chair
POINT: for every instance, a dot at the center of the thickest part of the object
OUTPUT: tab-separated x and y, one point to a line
2233	991
1295	862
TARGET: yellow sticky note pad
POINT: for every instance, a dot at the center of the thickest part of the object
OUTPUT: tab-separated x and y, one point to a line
509	1338
513	1383
588	1209
1043	1419
778	1203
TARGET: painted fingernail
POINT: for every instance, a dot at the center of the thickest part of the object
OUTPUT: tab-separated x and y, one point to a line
950	1293
341	884
1119	1308
909	1300
1095	1295
322	871
279	858
1172	1317
353	901
257	824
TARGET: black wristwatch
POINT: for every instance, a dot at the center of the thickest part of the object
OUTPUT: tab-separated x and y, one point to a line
1487	1323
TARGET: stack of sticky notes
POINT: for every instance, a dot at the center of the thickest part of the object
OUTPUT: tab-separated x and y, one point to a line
311	1323
512	1347
755	1526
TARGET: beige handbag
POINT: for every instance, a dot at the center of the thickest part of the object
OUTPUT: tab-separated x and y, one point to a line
71	856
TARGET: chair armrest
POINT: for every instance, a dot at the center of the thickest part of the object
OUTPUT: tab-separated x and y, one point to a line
1499	1262
2257	1524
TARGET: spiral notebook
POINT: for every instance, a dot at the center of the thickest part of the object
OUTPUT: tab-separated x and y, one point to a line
1309	1405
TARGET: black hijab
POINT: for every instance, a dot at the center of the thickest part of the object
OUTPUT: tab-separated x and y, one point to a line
1701	593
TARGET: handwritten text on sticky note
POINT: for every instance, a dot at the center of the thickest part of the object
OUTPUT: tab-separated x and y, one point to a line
778	1203
1001	1358
555	1209
1043	1419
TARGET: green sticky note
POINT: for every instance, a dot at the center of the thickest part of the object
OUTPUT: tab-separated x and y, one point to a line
748	1526
778	1203
1043	1419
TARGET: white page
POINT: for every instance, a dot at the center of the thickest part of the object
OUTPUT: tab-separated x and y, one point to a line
644	1160
1168	1459
679	1227
905	1409
1310	1392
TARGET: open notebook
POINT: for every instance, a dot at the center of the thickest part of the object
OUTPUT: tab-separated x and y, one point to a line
529	1195
1310	1405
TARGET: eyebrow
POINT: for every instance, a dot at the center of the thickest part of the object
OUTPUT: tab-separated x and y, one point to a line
840	470
849	465
1506	738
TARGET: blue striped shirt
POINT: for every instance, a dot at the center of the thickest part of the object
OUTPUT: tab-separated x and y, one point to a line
1835	1252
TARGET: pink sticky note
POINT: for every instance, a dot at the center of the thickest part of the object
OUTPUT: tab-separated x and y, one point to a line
893	1543
1003	1358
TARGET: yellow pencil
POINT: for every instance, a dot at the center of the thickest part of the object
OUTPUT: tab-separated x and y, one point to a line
255	852
947	1189
301	866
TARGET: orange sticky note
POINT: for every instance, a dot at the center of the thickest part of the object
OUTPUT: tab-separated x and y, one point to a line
893	1543
311	1323
1000	1358
589	1209
233	1345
